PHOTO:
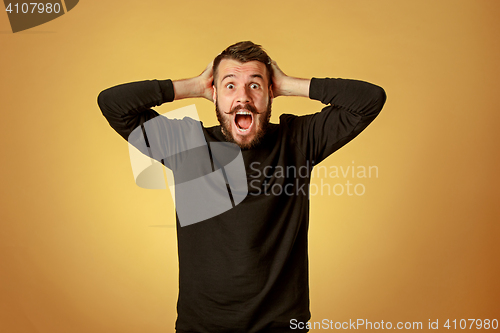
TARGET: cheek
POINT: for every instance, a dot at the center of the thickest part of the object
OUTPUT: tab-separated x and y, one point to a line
263	103
222	103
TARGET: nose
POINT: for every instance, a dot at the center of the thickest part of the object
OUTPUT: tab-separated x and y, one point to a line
243	95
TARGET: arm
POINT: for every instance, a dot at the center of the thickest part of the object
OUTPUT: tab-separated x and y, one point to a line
127	106
284	85
351	106
199	86
352	94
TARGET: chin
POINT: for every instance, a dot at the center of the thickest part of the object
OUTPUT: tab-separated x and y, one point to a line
247	141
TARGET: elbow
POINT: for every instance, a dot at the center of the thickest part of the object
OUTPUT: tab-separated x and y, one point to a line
378	99
106	102
103	99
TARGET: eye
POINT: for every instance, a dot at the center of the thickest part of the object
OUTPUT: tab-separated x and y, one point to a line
229	86
254	86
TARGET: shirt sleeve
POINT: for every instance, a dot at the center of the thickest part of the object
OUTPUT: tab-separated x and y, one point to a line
351	106
128	106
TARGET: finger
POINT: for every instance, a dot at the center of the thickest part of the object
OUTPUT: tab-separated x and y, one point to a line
277	72
209	69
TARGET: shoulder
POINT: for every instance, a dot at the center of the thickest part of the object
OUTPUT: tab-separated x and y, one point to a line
293	122
288	119
213	133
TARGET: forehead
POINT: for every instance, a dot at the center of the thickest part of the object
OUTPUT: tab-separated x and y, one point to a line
241	70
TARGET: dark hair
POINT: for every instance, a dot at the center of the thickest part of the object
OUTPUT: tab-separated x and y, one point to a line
244	52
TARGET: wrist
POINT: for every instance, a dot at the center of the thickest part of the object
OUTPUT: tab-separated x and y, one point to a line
293	86
187	88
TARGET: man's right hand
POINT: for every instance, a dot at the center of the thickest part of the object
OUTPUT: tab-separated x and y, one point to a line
199	86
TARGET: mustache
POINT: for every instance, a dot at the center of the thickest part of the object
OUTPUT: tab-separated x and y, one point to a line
247	107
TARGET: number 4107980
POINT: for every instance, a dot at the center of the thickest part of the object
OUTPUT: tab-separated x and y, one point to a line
485	323
39	8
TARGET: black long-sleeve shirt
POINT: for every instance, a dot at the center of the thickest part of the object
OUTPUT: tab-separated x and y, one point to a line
246	270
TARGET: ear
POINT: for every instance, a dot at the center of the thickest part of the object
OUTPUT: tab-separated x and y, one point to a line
214	96
271	94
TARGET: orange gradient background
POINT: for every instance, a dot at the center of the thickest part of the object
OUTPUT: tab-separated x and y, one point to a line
83	249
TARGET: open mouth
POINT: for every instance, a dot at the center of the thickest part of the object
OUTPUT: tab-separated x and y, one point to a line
243	120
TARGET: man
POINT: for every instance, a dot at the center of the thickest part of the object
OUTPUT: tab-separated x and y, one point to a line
246	270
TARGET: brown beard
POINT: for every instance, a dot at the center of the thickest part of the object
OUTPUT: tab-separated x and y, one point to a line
226	126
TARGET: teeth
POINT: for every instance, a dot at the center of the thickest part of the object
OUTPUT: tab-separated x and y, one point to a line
243	113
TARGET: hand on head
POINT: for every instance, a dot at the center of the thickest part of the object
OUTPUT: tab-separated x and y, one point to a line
206	82
277	79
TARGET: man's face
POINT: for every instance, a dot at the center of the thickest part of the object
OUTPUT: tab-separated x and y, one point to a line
243	99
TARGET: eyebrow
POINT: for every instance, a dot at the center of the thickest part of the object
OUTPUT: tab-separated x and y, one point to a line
226	76
232	75
257	75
